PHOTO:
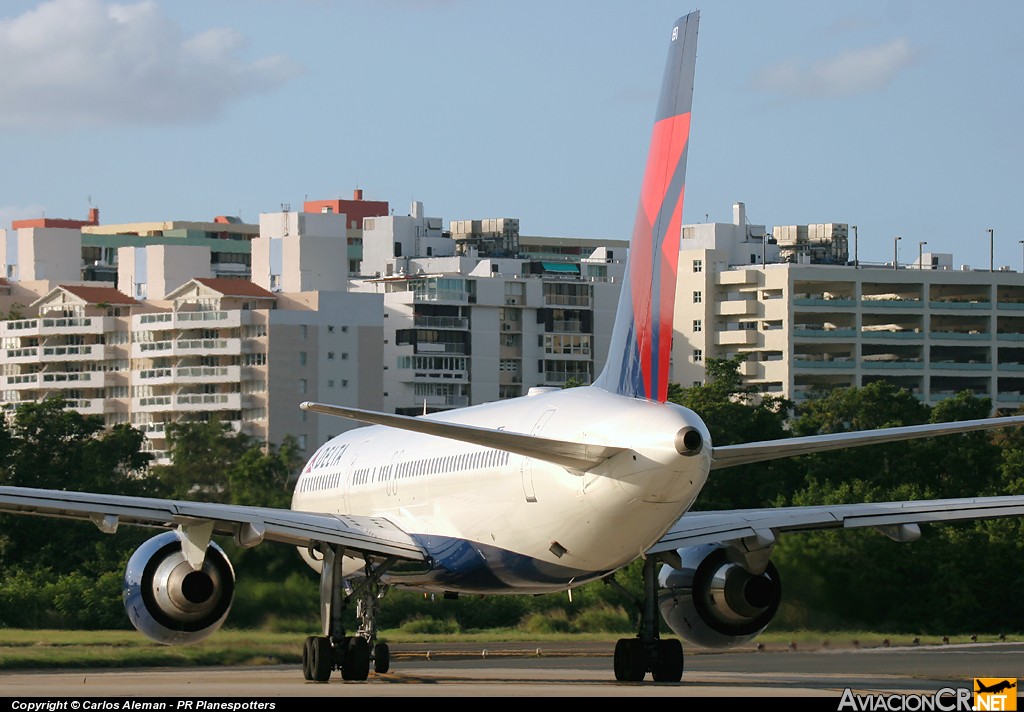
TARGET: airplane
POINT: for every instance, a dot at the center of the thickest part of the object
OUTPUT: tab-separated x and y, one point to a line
531	495
996	688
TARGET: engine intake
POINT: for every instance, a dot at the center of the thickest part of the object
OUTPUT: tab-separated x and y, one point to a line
715	603
168	600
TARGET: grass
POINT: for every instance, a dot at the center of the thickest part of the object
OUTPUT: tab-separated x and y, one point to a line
50	649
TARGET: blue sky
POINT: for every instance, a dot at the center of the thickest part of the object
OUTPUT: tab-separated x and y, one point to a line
901	117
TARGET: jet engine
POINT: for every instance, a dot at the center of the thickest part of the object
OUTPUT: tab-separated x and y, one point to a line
713	602
168	600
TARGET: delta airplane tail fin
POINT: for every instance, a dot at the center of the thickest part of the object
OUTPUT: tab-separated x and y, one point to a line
638	359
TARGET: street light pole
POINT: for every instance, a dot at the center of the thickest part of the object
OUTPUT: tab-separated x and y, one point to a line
896	253
1022	249
856	262
920	254
991	251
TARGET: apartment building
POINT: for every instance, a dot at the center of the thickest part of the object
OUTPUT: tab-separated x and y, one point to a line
822	321
174	341
469	317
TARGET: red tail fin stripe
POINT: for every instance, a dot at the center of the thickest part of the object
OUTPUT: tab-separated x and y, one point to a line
667	144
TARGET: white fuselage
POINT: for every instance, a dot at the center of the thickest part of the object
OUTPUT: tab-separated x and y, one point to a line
500	522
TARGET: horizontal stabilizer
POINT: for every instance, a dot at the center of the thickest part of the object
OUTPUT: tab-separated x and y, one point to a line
697	528
732	455
576	456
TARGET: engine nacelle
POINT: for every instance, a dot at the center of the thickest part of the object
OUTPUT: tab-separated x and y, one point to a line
169	601
714	603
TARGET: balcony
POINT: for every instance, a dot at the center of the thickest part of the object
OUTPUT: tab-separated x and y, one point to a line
73	325
893	365
846	363
187	347
29	354
961	335
736	307
55	325
890	304
959	305
75	379
164	321
567	300
822	302
220	319
207	347
207	401
151	404
570	326
444	401
208	374
87	406
441	322
736	337
824	333
960	366
906	334
430	347
72	353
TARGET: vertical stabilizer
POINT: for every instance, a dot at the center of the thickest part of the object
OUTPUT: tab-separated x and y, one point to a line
642	336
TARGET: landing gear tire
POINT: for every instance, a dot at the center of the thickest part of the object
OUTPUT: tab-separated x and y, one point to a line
669	666
357	659
381	658
630	660
322	659
307	658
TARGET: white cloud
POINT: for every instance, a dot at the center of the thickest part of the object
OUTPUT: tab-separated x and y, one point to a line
94	63
849	74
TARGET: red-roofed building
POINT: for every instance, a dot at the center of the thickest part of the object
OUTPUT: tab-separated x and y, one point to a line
231	287
93	219
355	210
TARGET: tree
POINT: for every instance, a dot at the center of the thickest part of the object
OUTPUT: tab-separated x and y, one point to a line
735	412
926	586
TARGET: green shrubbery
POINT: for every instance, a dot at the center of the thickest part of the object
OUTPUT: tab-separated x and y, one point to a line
67	574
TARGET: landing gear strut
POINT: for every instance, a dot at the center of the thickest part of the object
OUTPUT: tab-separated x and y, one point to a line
647	653
352	655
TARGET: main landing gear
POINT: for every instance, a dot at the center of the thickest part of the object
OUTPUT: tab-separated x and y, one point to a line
352	655
647	653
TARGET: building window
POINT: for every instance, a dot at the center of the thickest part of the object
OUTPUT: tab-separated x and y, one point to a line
344	355
698	265
344	383
330	383
302	442
302	358
698	325
302	330
698	355
302	385
330	355
698	297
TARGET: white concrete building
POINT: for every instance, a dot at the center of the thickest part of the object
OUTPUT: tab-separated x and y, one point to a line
804	326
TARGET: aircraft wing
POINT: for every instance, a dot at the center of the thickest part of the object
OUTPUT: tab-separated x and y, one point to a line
578	456
891	518
249	525
732	455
